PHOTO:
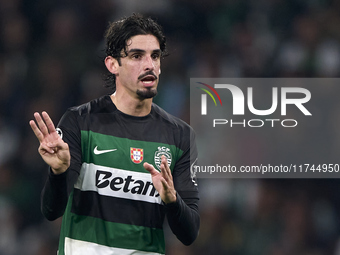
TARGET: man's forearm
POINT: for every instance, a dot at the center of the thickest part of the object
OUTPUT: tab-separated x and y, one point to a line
54	196
184	219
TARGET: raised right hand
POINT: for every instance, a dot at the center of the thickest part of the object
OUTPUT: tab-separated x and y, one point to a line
54	151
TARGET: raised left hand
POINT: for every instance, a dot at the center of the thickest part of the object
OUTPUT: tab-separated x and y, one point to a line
163	181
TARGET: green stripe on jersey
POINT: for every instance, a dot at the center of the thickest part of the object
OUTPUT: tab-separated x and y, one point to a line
94	230
98	231
111	151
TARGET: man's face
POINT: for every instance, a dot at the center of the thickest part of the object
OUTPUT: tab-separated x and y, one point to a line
139	71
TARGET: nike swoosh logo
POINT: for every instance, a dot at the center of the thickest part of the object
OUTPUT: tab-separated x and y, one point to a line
98	152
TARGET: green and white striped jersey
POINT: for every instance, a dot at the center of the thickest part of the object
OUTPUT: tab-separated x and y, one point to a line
113	207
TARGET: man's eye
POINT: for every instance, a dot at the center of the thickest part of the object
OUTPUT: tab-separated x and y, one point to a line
155	56
136	56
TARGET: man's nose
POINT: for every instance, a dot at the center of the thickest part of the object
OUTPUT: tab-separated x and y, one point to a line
149	63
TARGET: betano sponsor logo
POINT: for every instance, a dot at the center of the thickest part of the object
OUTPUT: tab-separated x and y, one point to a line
128	184
238	105
119	183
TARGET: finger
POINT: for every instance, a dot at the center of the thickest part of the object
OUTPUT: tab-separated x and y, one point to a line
165	184
169	193
150	168
165	170
48	122
60	144
43	148
166	177
36	130
41	124
53	147
164	161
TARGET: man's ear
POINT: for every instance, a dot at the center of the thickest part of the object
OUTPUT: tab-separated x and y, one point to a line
111	64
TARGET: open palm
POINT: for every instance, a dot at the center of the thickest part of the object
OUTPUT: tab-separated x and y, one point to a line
54	151
162	181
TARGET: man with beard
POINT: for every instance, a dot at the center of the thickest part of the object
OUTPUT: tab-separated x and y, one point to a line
119	164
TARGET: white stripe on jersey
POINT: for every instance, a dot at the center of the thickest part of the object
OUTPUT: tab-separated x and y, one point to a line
118	183
77	247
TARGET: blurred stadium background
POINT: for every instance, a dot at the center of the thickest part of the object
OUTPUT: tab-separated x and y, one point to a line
51	58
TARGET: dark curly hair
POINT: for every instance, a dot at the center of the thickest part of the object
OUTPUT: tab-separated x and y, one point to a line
119	32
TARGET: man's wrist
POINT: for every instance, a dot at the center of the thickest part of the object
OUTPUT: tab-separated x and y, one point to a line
57	172
171	201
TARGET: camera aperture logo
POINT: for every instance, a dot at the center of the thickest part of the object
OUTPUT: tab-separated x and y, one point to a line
204	97
295	96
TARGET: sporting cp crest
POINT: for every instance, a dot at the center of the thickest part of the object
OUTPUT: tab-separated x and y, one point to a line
158	156
137	155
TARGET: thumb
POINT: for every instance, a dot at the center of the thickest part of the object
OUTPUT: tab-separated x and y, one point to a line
150	168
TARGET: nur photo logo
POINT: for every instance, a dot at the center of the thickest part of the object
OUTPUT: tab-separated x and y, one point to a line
243	102
265	127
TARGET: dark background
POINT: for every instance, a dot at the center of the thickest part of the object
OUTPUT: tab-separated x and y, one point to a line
51	58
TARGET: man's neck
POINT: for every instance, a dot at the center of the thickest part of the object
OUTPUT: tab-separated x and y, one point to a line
132	106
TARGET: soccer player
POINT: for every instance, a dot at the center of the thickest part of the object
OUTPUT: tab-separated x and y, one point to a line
119	164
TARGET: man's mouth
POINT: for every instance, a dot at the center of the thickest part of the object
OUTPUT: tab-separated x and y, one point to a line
148	80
